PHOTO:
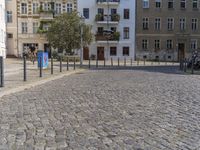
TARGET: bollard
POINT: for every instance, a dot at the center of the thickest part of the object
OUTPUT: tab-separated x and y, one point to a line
111	62
159	61
67	63
144	61
104	63
1	71
74	63
89	63
152	62
97	63
25	79
131	62
192	69
138	62
185	65
60	63
51	64
118	61
125	61
40	66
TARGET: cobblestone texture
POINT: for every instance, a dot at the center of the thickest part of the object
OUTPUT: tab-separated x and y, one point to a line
97	110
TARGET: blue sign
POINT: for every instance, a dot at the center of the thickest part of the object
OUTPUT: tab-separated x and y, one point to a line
44	57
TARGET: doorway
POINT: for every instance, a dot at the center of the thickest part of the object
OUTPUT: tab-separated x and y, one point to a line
47	49
181	51
85	53
100	53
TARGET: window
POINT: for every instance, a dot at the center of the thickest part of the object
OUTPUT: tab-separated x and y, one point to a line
195	4
35	8
23	8
170	3
170	24
193	44
126	32
47	6
125	51
113	51
24	27
100	30
9	16
145	23
183	4
144	44
169	44
9	35
158	3
145	3
69	7
182	24
35	27
86	13
58	8
126	14
157	44
114	29
45	27
194	24
157	24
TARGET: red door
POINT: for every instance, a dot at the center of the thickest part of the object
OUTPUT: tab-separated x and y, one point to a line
86	53
100	53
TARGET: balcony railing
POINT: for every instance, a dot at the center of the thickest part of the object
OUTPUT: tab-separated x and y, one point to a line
110	18
103	1
100	36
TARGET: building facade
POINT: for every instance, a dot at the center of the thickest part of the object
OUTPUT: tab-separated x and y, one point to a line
2	29
167	29
32	21
113	26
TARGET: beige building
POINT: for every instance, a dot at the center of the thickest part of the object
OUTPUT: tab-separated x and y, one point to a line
2	29
32	21
167	29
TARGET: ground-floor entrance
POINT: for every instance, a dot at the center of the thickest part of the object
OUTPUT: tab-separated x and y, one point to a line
100	53
181	51
86	53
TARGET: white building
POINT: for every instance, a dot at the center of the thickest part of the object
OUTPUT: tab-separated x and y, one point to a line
113	24
2	29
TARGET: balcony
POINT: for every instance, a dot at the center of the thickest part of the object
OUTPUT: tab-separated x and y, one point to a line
104	19
104	38
108	2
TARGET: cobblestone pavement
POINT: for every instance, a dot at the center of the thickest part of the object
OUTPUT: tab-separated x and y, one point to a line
112	109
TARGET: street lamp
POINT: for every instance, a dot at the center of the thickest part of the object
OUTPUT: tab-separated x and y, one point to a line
82	19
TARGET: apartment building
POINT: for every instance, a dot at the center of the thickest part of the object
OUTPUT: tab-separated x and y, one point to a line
32	21
2	29
113	26
167	29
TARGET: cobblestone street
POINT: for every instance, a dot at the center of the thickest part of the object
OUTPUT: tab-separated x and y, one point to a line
105	110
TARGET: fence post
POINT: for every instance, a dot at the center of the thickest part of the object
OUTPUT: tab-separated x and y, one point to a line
192	66
125	61
51	64
111	61
89	63
118	61
40	66
131	62
97	63
67	63
2	71
25	79
60	63
185	65
74	63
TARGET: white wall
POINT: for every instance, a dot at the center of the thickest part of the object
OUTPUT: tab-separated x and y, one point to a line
129	4
2	29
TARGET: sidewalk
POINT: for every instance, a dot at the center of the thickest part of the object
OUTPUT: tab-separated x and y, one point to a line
13	75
